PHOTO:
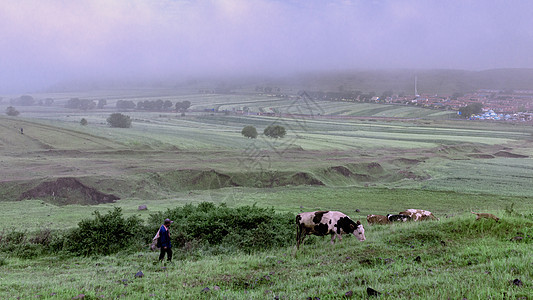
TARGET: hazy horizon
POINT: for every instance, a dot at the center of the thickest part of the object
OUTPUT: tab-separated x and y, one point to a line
47	42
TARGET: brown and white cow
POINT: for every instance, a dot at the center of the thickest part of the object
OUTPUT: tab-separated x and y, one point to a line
377	219
419	214
327	222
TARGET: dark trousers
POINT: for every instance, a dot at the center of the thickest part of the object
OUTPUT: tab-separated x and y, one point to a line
168	251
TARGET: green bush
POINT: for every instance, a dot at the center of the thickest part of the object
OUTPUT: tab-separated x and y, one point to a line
22	245
103	235
119	120
275	131
246	228
13	237
249	132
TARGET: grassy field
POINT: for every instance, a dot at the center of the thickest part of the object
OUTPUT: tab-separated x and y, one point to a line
357	158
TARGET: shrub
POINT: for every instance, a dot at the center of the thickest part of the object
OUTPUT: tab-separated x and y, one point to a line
13	237
119	120
42	237
103	235
17	243
83	121
11	111
275	131
249	132
247	228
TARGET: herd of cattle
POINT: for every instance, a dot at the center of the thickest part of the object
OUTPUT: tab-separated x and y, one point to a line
408	215
336	223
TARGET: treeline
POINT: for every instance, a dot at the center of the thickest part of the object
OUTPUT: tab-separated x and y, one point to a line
206	228
27	100
85	104
353	96
267	89
154	105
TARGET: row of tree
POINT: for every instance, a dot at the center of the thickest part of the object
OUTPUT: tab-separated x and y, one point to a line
119	120
273	131
154	105
85	104
27	100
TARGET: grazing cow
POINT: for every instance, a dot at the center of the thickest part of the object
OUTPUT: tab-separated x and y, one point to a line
485	215
419	214
326	222
377	219
398	218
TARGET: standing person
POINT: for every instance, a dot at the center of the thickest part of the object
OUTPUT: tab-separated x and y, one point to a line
164	235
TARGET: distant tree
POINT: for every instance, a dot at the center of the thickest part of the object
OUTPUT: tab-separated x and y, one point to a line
11	111
125	104
183	106
167	105
101	103
77	103
471	109
158	105
249	132
83	121
25	100
73	103
87	104
48	101
119	120
143	105
275	131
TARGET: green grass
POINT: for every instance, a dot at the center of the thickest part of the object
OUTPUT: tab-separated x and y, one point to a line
456	255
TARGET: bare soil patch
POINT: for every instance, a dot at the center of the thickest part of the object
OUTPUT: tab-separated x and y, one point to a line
64	191
342	170
303	178
212	180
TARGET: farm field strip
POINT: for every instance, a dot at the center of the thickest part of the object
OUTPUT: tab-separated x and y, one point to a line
313	141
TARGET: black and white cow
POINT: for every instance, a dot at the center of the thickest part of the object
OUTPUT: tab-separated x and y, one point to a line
327	222
398	218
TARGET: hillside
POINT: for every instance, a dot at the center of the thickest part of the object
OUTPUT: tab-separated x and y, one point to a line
441	81
429	81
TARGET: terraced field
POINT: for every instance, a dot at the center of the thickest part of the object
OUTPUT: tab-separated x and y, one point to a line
357	158
321	135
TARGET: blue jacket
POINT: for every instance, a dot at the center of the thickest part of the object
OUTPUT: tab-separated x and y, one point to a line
165	237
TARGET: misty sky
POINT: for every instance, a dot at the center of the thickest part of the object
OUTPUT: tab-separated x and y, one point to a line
43	42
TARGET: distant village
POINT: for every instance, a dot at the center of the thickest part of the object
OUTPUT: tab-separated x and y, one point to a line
510	105
506	105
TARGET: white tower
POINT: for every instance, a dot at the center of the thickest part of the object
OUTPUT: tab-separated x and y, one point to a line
416	92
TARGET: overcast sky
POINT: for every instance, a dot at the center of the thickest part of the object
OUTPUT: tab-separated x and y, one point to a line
47	41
